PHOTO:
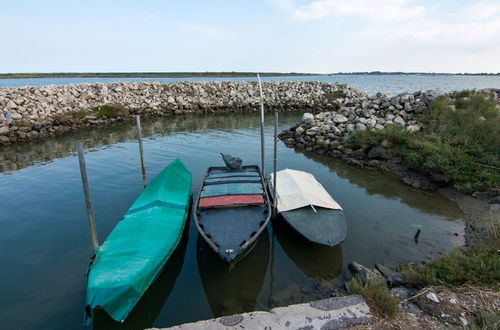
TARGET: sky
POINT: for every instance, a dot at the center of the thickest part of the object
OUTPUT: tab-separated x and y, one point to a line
322	36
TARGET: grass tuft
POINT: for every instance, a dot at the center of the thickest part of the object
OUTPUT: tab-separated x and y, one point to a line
79	114
377	296
456	268
485	321
111	111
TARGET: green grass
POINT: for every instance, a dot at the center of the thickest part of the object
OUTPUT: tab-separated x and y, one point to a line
460	143
485	321
457	268
392	134
79	114
377	296
111	111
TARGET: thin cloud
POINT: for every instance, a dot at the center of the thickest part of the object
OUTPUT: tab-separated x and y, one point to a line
285	5
209	32
379	10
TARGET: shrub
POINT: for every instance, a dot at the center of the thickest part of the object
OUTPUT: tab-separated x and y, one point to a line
393	134
456	268
111	111
377	296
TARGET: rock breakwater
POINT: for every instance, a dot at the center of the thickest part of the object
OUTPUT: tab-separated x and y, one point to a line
329	132
29	113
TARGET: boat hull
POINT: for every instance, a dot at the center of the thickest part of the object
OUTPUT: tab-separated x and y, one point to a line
319	225
136	250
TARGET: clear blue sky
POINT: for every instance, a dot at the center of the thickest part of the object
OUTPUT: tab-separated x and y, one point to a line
255	35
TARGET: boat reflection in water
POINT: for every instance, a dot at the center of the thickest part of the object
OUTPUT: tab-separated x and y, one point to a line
316	261
149	306
233	291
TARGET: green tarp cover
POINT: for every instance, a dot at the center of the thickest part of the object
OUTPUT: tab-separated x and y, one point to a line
139	246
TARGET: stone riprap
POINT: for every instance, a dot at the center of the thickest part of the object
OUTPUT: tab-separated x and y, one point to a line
327	131
29	113
331	313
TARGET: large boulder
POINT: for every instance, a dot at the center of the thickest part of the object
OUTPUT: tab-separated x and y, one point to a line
308	118
340	119
363	274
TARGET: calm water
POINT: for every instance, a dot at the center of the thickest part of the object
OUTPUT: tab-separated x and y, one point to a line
46	245
392	84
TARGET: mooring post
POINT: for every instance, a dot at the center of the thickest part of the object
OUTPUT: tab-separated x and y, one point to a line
261	126
86	192
275	162
141	151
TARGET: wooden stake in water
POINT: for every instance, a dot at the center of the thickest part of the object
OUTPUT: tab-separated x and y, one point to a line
86	192
261	125
141	151
275	162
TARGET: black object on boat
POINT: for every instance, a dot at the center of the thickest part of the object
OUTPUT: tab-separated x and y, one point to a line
232	210
233	163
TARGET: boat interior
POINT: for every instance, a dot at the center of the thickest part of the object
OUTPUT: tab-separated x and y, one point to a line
232	208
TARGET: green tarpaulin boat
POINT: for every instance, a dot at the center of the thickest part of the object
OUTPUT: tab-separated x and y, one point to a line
139	246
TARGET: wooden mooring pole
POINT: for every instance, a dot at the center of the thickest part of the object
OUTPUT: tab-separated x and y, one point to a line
141	151
262	153
86	192
275	162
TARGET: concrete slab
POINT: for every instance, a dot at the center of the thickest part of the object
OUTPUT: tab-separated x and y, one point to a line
332	313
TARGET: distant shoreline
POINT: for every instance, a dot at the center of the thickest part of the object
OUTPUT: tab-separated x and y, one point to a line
147	74
213	74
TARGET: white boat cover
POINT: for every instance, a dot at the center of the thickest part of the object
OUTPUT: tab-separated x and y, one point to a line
298	189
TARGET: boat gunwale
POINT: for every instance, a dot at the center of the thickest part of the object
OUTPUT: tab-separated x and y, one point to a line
254	238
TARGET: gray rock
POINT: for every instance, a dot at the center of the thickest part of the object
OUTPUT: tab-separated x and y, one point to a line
432	297
399	121
370	123
350	128
312	131
338	118
299	130
16	116
4	130
308	118
405	98
395	101
337	131
11	105
413	128
408	107
363	274
394	279
403	293
378	152
361	127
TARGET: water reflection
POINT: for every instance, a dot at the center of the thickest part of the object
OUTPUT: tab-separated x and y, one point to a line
49	239
233	291
316	261
378	183
149	306
18	156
